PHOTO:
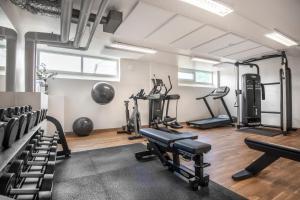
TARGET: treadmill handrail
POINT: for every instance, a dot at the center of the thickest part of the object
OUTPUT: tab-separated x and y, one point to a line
227	90
199	98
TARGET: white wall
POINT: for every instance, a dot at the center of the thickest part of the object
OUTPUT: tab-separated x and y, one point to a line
2	83
269	70
134	76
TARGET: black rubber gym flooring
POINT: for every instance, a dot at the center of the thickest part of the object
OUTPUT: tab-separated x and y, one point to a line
262	131
115	174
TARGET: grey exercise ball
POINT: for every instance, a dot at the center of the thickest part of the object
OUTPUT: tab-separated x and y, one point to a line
83	126
102	93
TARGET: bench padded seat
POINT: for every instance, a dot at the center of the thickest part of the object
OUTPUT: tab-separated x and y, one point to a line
192	146
165	137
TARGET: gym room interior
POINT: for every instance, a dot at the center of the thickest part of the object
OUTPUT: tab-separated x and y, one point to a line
149	99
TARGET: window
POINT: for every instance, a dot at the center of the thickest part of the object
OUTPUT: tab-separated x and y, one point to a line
204	77
194	77
60	62
186	76
2	59
100	66
79	66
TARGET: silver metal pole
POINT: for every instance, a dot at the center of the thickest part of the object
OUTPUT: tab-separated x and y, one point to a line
238	109
11	46
30	65
284	98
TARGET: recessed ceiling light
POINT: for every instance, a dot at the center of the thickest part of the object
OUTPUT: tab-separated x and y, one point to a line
211	6
279	37
205	60
133	48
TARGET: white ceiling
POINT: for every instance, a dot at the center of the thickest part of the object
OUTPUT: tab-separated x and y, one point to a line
176	28
195	38
4	21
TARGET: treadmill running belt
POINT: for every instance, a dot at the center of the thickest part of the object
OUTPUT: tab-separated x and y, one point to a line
210	122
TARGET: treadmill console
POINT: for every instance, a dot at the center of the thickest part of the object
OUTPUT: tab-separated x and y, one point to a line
220	91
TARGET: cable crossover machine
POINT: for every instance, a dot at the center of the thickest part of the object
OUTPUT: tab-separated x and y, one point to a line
253	91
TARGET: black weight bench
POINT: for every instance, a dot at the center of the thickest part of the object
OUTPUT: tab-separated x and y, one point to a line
160	143
272	152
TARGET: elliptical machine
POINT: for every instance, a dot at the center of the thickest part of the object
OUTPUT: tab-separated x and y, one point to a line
172	121
157	97
133	121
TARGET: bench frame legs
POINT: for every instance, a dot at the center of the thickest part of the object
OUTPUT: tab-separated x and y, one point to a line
195	179
255	167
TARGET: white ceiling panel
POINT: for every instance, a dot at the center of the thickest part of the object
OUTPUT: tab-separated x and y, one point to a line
251	53
143	20
175	28
243	46
219	43
202	35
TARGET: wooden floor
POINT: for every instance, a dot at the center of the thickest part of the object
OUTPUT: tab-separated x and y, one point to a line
229	154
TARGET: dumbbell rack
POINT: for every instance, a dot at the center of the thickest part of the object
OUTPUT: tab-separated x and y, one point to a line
9	154
9	157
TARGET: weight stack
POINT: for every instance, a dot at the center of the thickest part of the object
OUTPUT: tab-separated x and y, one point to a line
251	100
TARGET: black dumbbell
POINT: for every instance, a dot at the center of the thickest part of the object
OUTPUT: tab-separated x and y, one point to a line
22	109
11	128
17	166
31	119
41	132
15	113
30	160
43	192
46	140
45	113
35	145
28	108
37	150
2	134
43	140
38	117
35	155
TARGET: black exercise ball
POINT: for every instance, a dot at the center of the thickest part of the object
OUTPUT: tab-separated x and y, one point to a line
83	126
102	93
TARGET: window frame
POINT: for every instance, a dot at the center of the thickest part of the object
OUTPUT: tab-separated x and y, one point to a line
2	68
81	74
194	82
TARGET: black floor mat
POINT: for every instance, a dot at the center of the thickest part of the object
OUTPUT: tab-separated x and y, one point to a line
262	131
114	173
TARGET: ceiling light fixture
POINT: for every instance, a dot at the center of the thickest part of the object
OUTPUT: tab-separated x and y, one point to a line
133	48
211	6
279	37
214	62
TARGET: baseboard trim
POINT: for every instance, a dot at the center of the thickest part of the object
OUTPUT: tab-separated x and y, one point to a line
113	129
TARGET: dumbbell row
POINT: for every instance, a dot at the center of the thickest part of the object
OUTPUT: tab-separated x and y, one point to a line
16	171
44	192
17	167
17	121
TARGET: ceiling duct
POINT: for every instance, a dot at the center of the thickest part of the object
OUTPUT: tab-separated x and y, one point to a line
112	21
65	19
98	18
80	30
85	10
32	38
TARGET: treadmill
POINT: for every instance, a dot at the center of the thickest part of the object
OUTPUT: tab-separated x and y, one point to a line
214	121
